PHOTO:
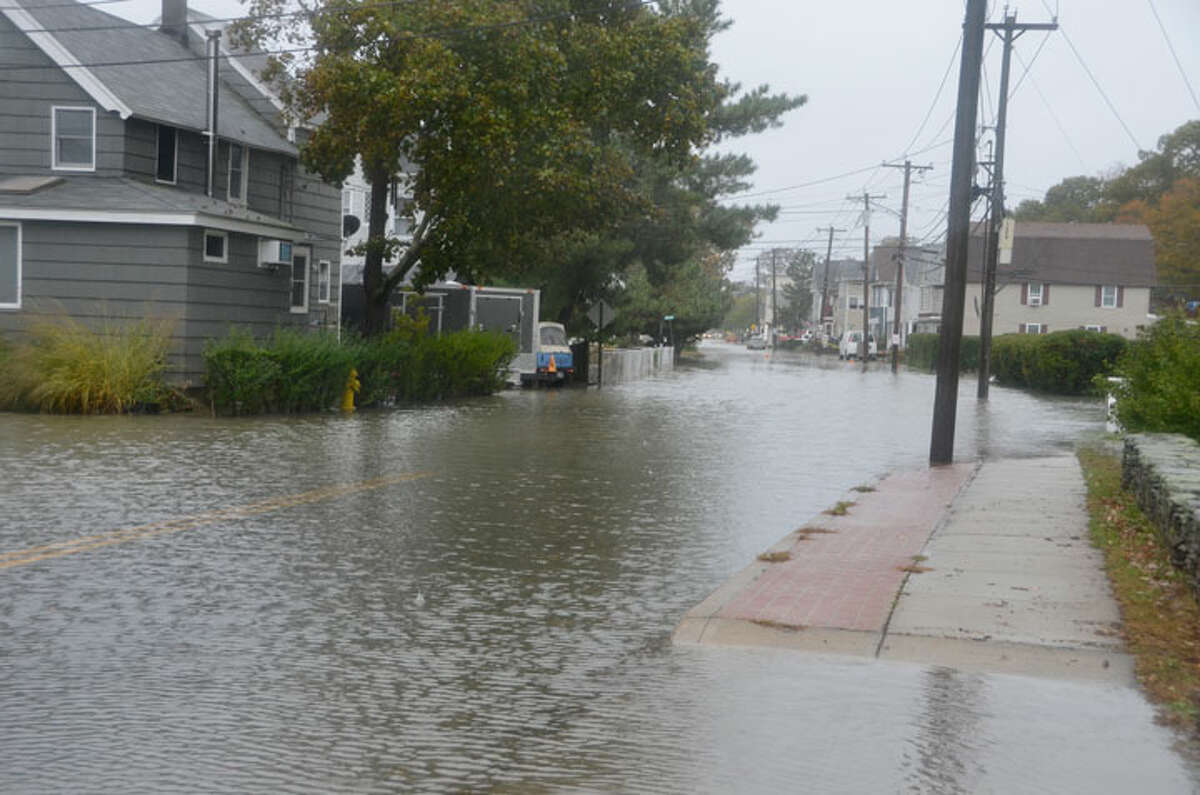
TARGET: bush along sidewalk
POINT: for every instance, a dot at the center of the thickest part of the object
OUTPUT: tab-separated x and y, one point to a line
1061	362
1160	390
295	372
921	352
64	366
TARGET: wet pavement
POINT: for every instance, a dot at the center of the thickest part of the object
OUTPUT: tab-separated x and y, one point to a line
232	605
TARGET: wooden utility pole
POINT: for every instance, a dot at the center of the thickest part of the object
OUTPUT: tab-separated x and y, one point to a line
1009	30
774	310
866	200
757	296
825	283
900	254
962	177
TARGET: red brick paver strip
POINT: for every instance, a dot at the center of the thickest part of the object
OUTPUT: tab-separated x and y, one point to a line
844	577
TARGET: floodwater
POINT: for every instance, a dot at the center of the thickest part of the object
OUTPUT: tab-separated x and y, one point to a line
479	596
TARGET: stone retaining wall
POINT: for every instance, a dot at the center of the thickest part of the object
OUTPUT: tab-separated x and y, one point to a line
1163	471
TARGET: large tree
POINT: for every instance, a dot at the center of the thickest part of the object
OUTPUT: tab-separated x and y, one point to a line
521	120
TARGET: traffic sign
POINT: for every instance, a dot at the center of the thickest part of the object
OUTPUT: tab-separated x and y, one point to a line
601	314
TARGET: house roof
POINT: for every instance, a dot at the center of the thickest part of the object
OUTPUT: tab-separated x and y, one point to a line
1071	253
124	200
840	270
149	74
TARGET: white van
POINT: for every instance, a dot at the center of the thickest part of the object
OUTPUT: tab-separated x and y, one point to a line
851	345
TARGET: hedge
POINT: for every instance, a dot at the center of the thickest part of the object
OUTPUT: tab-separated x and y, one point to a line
298	372
1161	372
1061	362
922	352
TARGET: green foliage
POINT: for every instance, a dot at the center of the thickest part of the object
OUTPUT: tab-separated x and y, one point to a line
64	366
297	372
921	352
741	312
1062	362
1161	390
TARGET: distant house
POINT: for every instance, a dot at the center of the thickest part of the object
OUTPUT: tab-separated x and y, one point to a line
112	203
832	282
1066	276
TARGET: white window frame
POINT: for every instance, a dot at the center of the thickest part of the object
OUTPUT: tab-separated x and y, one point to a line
1029	328
16	225
54	164
1104	302
224	246
324	281
853	301
1036	300
1094	328
245	180
158	128
307	252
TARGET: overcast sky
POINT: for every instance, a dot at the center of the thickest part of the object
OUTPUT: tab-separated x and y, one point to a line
871	71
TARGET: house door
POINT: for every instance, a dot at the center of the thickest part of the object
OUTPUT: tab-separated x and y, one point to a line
301	256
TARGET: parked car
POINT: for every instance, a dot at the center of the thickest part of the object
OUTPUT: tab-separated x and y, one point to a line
851	344
806	336
756	343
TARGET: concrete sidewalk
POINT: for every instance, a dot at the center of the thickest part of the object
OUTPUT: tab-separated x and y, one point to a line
978	567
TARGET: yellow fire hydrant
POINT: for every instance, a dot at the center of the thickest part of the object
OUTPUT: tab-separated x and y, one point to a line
352	387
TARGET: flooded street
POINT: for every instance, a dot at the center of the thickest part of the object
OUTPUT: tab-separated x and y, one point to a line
480	596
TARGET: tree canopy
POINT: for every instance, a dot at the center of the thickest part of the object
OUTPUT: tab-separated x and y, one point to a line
555	141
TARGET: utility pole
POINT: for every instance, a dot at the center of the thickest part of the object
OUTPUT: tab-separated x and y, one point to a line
825	284
774	311
1010	31
757	296
866	200
958	227
900	254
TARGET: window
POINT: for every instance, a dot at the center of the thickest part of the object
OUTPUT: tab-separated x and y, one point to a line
880	296
1033	328
299	300
237	173
1108	296
216	246
323	281
1101	329
10	266
347	201
166	155
1035	296
852	302
73	131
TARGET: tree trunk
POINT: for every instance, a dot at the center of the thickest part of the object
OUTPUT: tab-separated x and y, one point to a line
377	293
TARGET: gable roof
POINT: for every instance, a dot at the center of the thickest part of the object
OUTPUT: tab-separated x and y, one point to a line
150	74
1070	253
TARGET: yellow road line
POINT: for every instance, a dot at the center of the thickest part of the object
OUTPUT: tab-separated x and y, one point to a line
58	549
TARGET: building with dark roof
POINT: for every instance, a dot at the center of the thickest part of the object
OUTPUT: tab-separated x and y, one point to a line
113	203
1057	276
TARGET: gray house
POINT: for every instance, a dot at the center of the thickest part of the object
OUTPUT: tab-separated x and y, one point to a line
113	203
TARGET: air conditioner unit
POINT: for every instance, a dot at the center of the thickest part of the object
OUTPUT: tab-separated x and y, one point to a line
273	253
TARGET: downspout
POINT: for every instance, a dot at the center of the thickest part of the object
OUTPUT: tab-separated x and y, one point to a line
212	50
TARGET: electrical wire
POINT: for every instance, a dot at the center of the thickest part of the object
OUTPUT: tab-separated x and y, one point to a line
1174	54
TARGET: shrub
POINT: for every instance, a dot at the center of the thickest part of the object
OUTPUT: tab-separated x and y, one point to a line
313	369
921	351
239	374
1062	362
1161	372
65	366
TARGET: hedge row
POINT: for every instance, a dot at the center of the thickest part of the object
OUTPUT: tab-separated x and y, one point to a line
1061	362
922	352
1161	371
295	371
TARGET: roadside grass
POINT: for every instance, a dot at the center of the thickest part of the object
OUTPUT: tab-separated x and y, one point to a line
775	557
841	509
1160	613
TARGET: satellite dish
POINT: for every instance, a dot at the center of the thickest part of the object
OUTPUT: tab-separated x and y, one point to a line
350	225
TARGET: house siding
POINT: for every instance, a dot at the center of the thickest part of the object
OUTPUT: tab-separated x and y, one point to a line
141	153
26	99
1071	306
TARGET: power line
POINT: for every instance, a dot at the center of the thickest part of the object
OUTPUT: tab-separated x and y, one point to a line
1050	109
1095	82
936	95
1174	54
1032	60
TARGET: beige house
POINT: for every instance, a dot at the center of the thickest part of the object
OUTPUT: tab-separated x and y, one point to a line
1066	276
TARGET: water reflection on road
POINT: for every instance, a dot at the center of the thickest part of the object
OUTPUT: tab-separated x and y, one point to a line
555	538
